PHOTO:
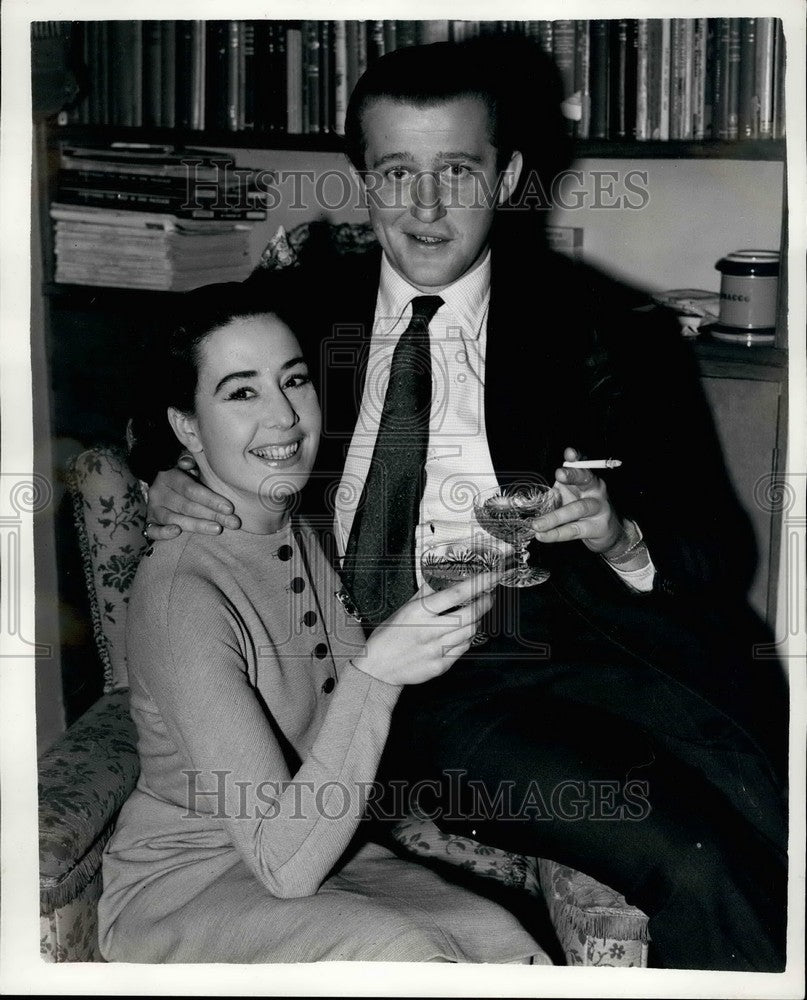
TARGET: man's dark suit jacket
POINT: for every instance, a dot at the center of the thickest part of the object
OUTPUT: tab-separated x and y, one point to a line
577	359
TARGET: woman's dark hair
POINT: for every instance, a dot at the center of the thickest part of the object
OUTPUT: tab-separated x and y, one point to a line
173	358
519	84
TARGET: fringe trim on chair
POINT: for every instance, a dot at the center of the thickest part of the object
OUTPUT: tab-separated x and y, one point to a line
54	893
89	574
600	922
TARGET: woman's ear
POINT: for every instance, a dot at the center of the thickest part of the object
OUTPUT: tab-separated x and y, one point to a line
186	428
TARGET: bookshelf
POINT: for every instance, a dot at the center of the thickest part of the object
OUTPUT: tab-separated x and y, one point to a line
733	61
715	82
618	149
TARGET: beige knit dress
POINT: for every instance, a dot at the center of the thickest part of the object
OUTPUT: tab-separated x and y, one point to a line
240	682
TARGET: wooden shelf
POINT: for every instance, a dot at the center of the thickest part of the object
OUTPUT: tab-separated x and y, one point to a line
681	149
327	143
719	359
675	149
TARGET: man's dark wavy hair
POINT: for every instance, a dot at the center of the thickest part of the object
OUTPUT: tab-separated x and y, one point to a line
518	83
171	362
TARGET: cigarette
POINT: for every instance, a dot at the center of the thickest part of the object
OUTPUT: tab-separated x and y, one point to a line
595	463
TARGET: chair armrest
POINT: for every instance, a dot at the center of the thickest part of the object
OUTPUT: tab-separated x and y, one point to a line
594	923
84	779
422	837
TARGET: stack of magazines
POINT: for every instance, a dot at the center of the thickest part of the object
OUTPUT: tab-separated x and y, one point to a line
152	217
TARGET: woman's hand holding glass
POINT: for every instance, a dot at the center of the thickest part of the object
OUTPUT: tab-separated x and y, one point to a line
429	633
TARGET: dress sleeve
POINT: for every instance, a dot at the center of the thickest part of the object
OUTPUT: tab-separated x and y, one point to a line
289	832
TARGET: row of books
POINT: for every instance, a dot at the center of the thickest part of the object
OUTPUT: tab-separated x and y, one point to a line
662	78
674	78
187	183
271	76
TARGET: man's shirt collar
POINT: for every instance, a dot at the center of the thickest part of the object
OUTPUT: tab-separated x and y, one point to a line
466	299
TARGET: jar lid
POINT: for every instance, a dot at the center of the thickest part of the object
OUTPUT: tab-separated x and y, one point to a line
750	263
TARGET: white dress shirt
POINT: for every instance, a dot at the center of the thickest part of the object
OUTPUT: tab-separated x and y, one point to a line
458	463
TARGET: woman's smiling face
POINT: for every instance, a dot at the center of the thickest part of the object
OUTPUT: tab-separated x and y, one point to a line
256	426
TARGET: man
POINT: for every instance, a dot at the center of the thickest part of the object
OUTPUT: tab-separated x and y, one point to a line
633	663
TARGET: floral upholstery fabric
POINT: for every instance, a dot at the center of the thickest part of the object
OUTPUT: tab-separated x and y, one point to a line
594	924
109	512
284	248
69	933
424	838
83	781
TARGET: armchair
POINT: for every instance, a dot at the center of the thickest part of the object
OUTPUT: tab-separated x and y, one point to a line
87	776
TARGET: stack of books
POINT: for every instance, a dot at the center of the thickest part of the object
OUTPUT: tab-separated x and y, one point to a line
628	78
186	182
156	217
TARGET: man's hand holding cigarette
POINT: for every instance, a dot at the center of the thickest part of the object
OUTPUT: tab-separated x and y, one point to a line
586	512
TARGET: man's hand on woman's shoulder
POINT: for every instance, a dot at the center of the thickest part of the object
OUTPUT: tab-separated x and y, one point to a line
179	502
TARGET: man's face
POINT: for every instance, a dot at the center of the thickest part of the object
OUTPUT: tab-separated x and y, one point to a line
433	186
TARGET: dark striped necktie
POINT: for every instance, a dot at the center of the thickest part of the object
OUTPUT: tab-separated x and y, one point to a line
378	568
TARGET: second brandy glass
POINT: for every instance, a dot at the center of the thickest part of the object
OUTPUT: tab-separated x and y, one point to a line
507	513
446	563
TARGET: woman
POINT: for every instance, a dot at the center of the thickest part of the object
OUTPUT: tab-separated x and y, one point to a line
246	673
